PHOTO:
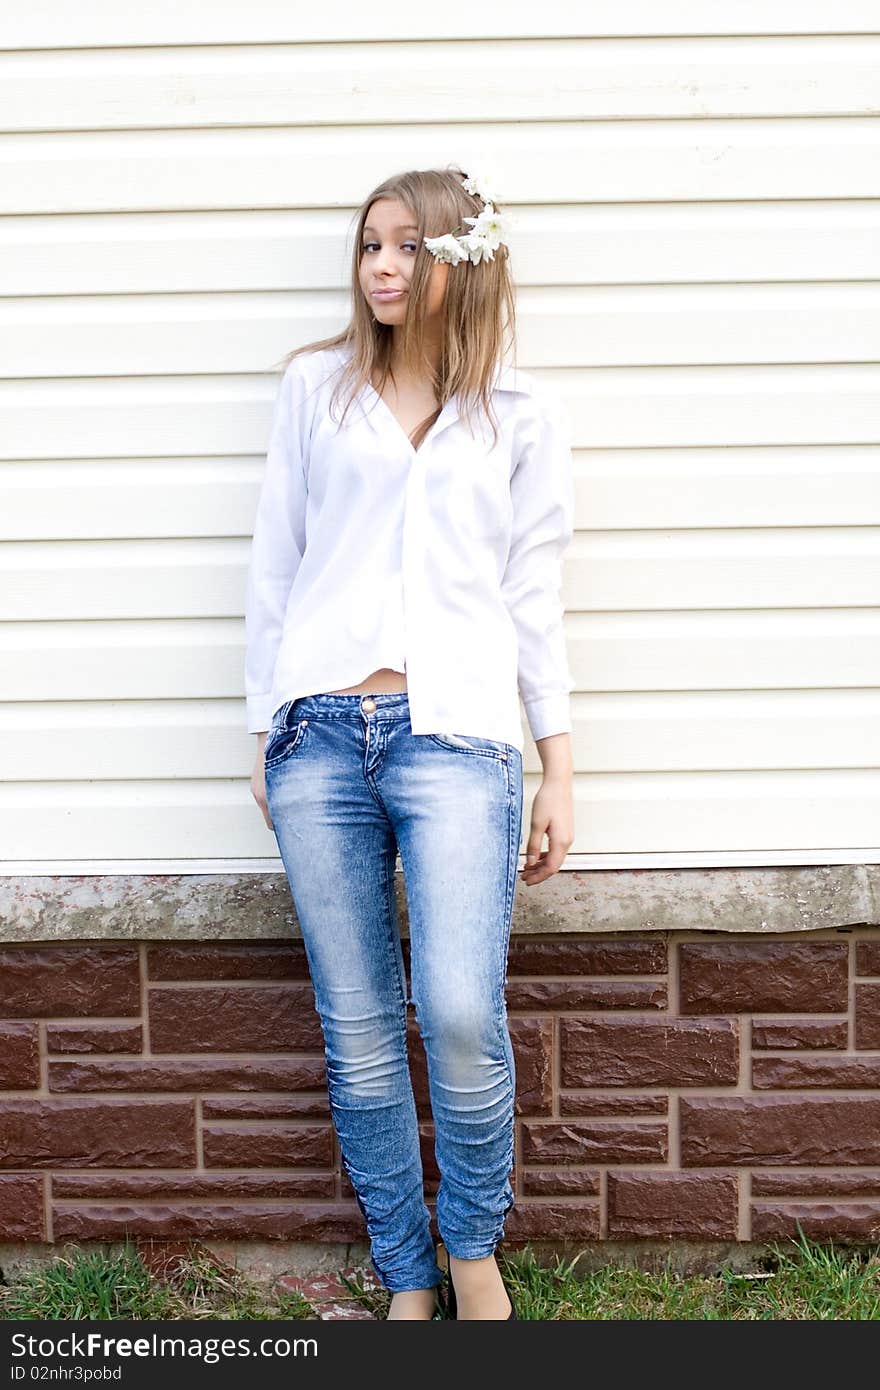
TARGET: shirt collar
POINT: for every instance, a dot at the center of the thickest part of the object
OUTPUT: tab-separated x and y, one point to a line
506	378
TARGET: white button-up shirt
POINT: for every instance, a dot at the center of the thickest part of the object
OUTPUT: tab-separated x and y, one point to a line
442	561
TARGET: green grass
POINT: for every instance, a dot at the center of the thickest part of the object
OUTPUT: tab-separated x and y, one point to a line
799	1280
93	1285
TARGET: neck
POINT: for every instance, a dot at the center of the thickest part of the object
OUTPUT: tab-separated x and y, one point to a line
432	345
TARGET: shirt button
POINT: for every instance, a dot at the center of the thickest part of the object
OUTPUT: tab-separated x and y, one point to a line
368	705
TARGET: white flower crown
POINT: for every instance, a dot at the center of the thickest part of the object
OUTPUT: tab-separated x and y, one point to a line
490	230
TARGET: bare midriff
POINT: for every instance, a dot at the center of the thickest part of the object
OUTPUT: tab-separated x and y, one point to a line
385	681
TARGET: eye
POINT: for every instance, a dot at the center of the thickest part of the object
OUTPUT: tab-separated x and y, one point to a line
368	244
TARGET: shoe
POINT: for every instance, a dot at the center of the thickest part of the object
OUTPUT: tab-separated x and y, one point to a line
452	1302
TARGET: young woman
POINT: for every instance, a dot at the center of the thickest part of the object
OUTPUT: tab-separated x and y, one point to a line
403	593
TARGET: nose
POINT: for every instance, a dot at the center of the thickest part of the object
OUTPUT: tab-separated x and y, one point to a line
384	261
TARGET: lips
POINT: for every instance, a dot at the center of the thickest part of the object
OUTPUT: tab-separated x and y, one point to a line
388	294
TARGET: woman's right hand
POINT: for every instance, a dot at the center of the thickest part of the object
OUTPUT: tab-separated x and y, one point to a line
258	779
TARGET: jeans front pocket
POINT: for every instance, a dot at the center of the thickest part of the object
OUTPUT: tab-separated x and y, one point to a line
472	743
282	742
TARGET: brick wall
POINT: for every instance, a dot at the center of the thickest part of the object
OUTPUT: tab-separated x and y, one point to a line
667	1086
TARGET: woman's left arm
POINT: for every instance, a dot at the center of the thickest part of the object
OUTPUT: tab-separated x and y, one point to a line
542	493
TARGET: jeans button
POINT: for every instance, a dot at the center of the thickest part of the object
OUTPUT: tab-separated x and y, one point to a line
368	705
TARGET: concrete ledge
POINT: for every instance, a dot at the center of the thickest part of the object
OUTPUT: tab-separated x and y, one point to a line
268	1260
240	907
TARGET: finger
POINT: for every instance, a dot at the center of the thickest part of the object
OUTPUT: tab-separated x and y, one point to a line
534	843
536	867
546	863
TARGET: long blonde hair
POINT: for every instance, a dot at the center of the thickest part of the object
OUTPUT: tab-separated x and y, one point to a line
478	307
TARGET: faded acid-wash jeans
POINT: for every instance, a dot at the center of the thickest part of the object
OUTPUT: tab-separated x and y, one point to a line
348	784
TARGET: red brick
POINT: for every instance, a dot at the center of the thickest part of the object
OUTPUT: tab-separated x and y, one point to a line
867	1015
648	1052
331	1295
763	977
532	1040
19	1057
229	961
147	1074
806	1073
86	1133
646	1205
166	1186
21	1207
99	1037
265	1107
544	1142
810	1033
261	1018
268	1146
69	981
868	957
818	1220
795	1130
821	1184
551	1221
598	956
546	995
560	1182
609	1103
264	1220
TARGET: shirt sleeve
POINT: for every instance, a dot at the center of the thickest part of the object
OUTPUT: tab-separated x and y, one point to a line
278	545
542	492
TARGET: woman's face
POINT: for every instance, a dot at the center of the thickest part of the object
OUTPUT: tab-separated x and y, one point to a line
388	253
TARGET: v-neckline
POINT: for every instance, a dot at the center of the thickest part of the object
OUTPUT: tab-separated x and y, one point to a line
391	416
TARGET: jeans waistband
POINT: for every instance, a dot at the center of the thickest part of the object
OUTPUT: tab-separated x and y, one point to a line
391	705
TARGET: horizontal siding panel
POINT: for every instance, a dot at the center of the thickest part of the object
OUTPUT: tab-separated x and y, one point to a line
736	649
676	732
599	161
810	485
310	248
602	326
638	813
655	812
613	407
56	24
698	731
723	569
767	568
152	660
163	416
123	579
652	407
165	659
615	489
129	498
500	80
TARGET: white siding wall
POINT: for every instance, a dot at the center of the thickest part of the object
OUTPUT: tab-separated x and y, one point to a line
695	187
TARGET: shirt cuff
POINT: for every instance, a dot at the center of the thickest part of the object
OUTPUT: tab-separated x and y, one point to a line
549	715
260	709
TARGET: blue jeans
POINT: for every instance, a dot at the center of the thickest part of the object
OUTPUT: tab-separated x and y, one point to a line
348	784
